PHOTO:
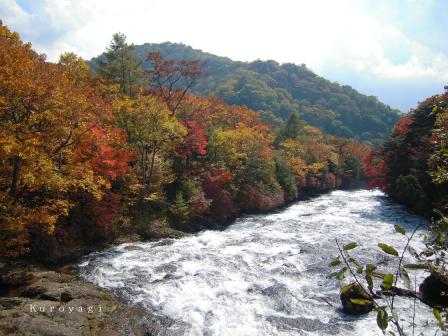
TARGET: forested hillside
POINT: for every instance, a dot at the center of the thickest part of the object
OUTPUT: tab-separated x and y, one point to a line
276	90
85	158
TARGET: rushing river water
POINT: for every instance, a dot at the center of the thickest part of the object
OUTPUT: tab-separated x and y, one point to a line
263	275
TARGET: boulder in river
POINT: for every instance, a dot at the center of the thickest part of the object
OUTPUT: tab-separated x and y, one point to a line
355	300
435	290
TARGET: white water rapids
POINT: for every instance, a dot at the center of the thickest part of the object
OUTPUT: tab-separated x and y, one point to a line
263	275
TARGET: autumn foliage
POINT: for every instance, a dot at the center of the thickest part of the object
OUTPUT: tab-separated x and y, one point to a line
411	165
195	141
170	80
84	157
56	140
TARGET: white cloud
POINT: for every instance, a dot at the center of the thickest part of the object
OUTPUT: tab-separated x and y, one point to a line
350	34
367	52
11	10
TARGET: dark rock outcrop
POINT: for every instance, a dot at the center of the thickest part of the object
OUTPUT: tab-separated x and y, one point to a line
355	300
434	290
254	200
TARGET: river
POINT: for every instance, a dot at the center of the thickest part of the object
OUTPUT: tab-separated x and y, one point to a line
263	275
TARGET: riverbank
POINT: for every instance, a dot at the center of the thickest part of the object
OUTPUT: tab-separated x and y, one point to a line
46	302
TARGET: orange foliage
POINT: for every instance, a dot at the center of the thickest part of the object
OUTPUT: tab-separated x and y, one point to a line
47	113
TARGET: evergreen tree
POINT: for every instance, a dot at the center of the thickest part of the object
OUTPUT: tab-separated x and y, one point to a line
285	177
179	210
120	66
291	129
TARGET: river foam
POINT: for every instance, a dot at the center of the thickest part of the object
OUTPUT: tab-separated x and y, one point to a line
263	275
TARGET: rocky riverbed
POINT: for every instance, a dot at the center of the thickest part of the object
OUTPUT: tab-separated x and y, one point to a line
39	301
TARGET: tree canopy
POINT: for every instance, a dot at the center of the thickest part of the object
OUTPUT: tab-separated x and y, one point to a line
85	156
277	90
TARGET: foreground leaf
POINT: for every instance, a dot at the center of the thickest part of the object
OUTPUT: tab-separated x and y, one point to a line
338	275
370	268
437	315
404	276
395	316
413	252
400	229
342	273
381	319
388	249
350	246
335	262
353	261
415	266
388	280
369	280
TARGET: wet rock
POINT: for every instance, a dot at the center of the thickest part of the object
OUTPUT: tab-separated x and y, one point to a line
133	248
66	297
354	291
34	291
16	278
167	268
171	276
156	229
282	299
129	238
435	290
164	242
302	323
50	296
274	290
51	276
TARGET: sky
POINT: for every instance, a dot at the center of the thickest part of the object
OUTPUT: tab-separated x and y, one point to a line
396	50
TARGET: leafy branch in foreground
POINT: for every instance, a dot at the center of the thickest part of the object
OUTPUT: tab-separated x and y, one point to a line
360	296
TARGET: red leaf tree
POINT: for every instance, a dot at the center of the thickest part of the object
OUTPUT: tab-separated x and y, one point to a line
214	184
376	170
194	143
171	80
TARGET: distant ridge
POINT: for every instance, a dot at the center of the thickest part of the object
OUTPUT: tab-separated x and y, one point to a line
276	90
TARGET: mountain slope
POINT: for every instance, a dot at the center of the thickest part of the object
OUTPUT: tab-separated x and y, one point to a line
276	90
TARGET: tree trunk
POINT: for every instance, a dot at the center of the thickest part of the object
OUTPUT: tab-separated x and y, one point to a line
151	167
16	165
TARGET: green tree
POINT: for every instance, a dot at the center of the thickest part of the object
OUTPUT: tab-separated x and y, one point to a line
285	176
179	210
153	132
120	66
291	129
409	189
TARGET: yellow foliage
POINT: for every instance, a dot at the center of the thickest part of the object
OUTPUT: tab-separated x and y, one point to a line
317	166
153	132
